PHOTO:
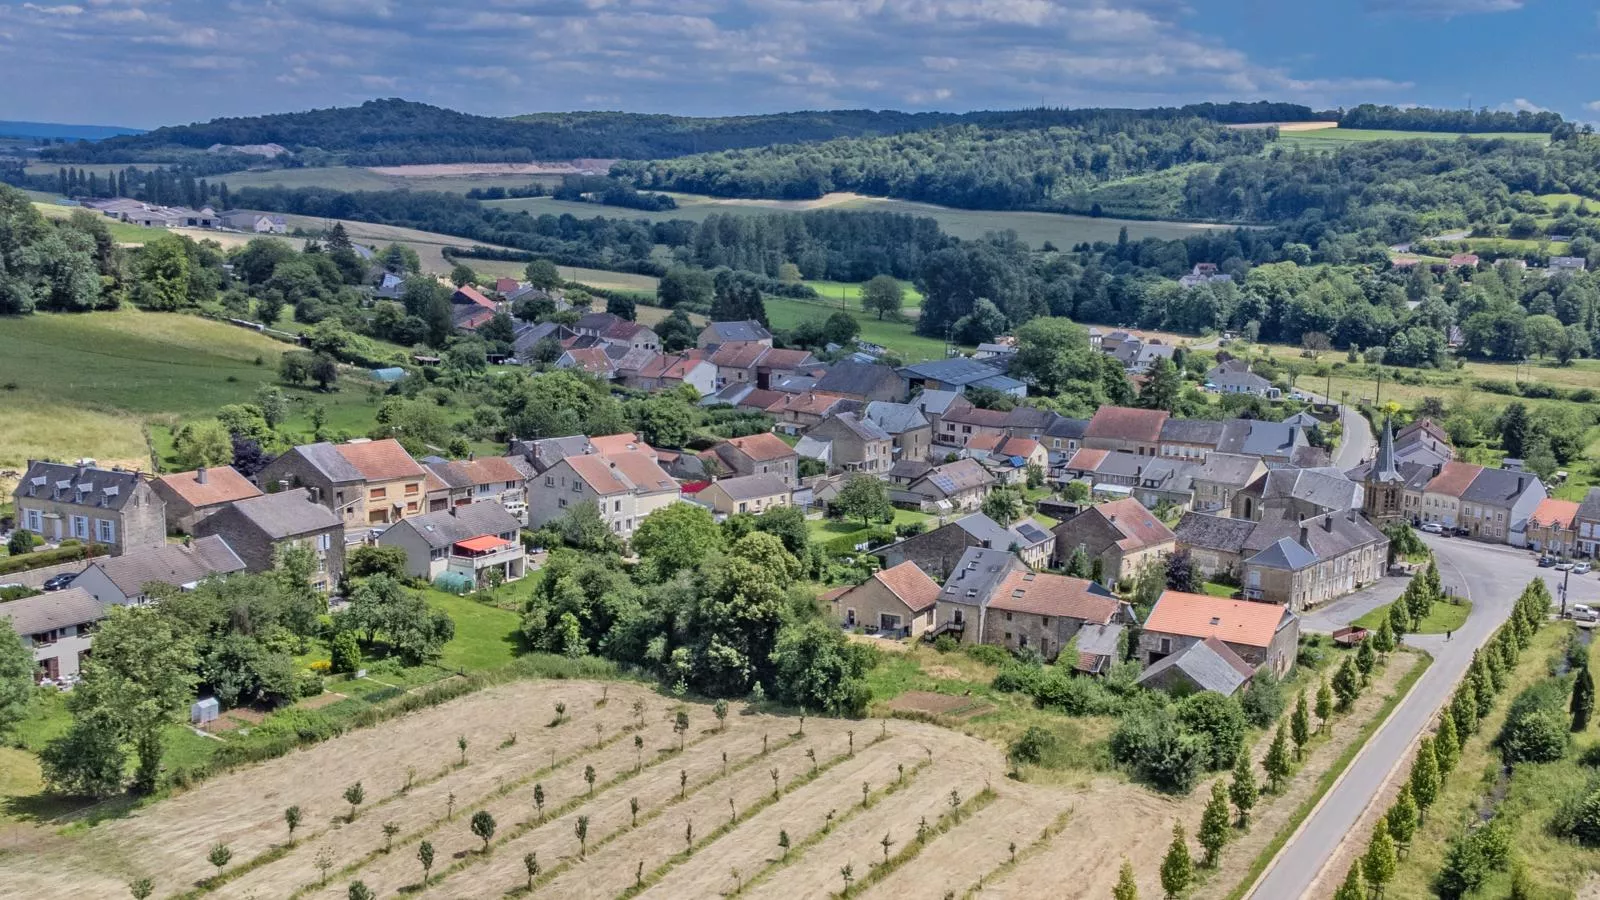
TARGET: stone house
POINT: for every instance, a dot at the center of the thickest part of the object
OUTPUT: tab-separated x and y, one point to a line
863	382
1332	555
896	602
851	443
1121	537
365	482
1496	506
1297	493
1221	477
115	508
1135	431
617	331
718	333
752	494
121	580
1044	612
192	496
58	629
909	430
1553	528
760	454
474	479
1264	635
962	422
1215	544
479	543
797	412
1587	523
258	528
1441	498
962	607
1205	665
1190	439
937	551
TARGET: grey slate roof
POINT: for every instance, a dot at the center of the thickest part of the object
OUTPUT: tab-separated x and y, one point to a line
747	330
895	418
1209	664
174	564
1063	427
1228	468
996	536
1257	438
957	370
57	609
749	487
287	514
101	488
1217	533
1030	418
1303	419
979	571
1283	554
546	452
1192	431
329	461
863	428
912	469
1101	640
1248	381
934	402
441	529
853	378
794	384
1498	487
1325	487
1590	507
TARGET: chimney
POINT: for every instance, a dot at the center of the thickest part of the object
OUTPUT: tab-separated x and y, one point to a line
1519	483
1327	522
1305	537
200	475
316	494
453	510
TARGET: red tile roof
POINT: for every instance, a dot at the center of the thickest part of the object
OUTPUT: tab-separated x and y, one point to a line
1087	460
779	358
1140	528
223	484
1122	423
763	447
383	460
474	320
1202	616
1054	595
1454	478
739	354
812	402
506	285
1559	513
607	444
590	359
912	585
469	294
760	398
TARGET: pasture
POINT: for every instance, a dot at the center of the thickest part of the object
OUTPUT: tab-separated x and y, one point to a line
1033	228
355	178
899	337
89	384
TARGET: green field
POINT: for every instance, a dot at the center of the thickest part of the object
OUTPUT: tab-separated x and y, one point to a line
1444	617
353	178
1034	228
121	232
898	337
600	278
832	291
76	385
1324	138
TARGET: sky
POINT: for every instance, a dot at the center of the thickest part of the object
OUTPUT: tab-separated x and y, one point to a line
144	63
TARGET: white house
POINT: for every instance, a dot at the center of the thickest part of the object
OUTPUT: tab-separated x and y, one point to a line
626	486
464	541
121	579
58	627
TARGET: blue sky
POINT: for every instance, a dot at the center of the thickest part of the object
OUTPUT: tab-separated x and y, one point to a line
152	62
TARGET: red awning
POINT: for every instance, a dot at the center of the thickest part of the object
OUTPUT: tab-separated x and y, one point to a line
483	543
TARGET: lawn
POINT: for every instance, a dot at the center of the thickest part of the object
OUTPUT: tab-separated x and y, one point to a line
121	232
1215	589
486	635
833	291
600	278
827	529
1444	617
898	337
86	384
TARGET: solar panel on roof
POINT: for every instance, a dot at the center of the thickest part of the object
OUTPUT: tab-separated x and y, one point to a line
943	483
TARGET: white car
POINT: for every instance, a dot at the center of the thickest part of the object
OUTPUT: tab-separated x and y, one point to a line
1433	528
1582	613
1582	568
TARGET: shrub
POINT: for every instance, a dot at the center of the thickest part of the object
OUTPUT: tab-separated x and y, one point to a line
987	654
1032	747
1219	721
1016	678
1579	817
1149	743
1535	729
1263	702
944	643
1472	858
1074	696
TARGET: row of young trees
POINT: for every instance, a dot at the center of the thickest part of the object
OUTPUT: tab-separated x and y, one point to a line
1473	855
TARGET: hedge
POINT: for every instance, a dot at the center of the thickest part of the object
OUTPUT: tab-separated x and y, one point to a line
41	558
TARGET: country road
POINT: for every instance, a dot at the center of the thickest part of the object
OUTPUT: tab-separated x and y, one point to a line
1356	444
1491	577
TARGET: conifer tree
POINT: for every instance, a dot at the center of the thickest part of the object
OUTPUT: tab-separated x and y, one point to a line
1403	818
1126	888
1242	790
1214	824
1300	725
1378	864
1277	760
1424	776
1446	742
1324	704
1177	867
1582	705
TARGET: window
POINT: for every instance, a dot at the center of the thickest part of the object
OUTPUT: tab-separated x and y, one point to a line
411	507
380	493
1047	621
1008	617
412	489
105	531
616	506
1008	637
561	502
1166	645
549	481
34	520
324	542
960	617
577	487
80	527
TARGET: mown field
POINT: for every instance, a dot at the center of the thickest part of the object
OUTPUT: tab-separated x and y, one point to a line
1033	228
1326	138
75	385
899	337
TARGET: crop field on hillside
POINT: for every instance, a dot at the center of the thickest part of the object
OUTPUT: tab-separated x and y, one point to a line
1333	137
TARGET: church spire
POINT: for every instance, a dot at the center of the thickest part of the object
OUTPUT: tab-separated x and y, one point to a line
1383	468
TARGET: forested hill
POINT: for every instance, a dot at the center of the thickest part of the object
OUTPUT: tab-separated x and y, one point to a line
394	132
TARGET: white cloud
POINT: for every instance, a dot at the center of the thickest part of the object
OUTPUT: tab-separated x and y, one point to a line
1521	104
1443	9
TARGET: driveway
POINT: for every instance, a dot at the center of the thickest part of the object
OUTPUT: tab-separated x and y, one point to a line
1491	577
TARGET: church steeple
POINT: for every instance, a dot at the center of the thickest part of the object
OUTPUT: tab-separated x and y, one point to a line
1383	468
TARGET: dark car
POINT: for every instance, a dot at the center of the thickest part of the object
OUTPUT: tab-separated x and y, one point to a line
1461	532
60	582
1546	562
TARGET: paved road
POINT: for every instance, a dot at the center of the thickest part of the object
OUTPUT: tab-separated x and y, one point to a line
1491	577
1356	443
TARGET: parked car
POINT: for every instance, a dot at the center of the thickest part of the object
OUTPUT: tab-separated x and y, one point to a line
60	582
1581	568
1583	613
1433	528
1546	562
1461	531
1564	566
